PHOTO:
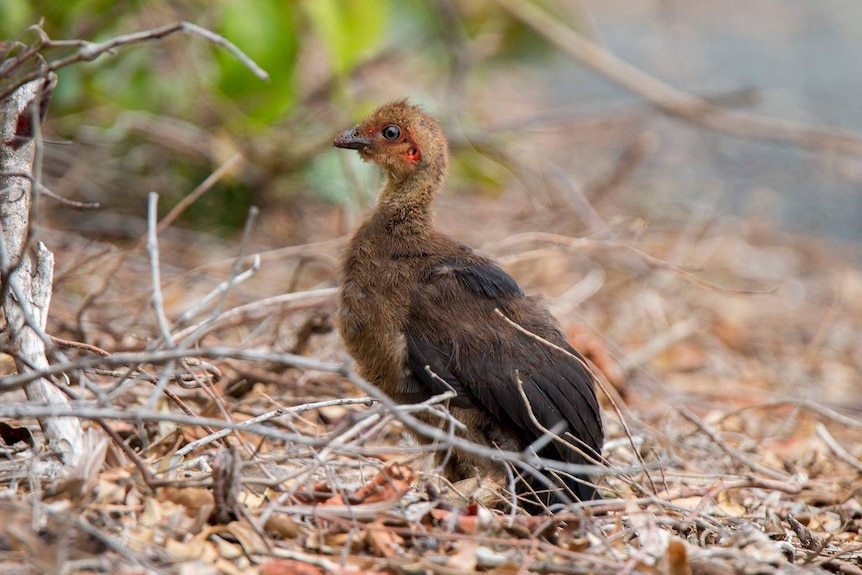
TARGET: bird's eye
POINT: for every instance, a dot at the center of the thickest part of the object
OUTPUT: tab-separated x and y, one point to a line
391	132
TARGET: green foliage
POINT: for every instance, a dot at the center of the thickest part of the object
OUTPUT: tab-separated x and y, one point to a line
14	15
92	20
268	32
129	83
124	80
350	30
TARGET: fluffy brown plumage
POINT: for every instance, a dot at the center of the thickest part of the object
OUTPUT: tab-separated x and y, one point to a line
412	297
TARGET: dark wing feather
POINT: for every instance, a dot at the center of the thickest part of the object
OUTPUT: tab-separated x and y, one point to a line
557	387
482	357
484	277
423	356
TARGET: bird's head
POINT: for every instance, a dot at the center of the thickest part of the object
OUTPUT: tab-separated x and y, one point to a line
402	139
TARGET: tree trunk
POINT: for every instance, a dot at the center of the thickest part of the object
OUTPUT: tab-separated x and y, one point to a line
26	287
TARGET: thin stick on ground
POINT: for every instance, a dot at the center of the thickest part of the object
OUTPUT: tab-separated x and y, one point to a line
836	448
220	289
730	451
367	401
163	356
155	274
322	294
190	337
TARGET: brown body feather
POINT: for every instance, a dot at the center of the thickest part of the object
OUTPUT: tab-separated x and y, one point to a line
412	297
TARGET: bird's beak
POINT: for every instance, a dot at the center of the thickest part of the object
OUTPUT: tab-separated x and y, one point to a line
351	139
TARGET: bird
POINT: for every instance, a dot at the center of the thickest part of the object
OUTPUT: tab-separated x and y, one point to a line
422	314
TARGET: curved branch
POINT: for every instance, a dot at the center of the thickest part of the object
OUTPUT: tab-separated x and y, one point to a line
89	51
675	102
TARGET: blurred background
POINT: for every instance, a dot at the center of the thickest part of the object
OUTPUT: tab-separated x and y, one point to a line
529	126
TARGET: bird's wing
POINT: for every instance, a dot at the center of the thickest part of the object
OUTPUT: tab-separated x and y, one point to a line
454	332
480	277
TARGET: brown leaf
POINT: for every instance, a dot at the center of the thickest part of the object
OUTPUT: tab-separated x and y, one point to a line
193	499
677	558
383	540
290	567
393	482
228	550
109	493
251	541
191	549
283	525
480	490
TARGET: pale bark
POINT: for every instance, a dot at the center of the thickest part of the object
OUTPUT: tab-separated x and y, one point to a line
27	282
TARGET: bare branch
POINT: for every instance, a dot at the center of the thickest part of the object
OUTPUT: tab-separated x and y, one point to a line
168	355
88	51
219	290
239	311
153	248
676	102
836	448
367	401
193	336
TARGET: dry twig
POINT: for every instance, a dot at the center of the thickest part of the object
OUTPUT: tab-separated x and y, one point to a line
88	51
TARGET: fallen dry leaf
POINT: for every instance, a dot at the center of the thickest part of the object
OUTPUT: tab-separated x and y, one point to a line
283	525
393	482
290	567
464	559
382	540
195	500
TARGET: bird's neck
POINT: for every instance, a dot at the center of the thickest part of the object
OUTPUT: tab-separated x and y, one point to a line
405	204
